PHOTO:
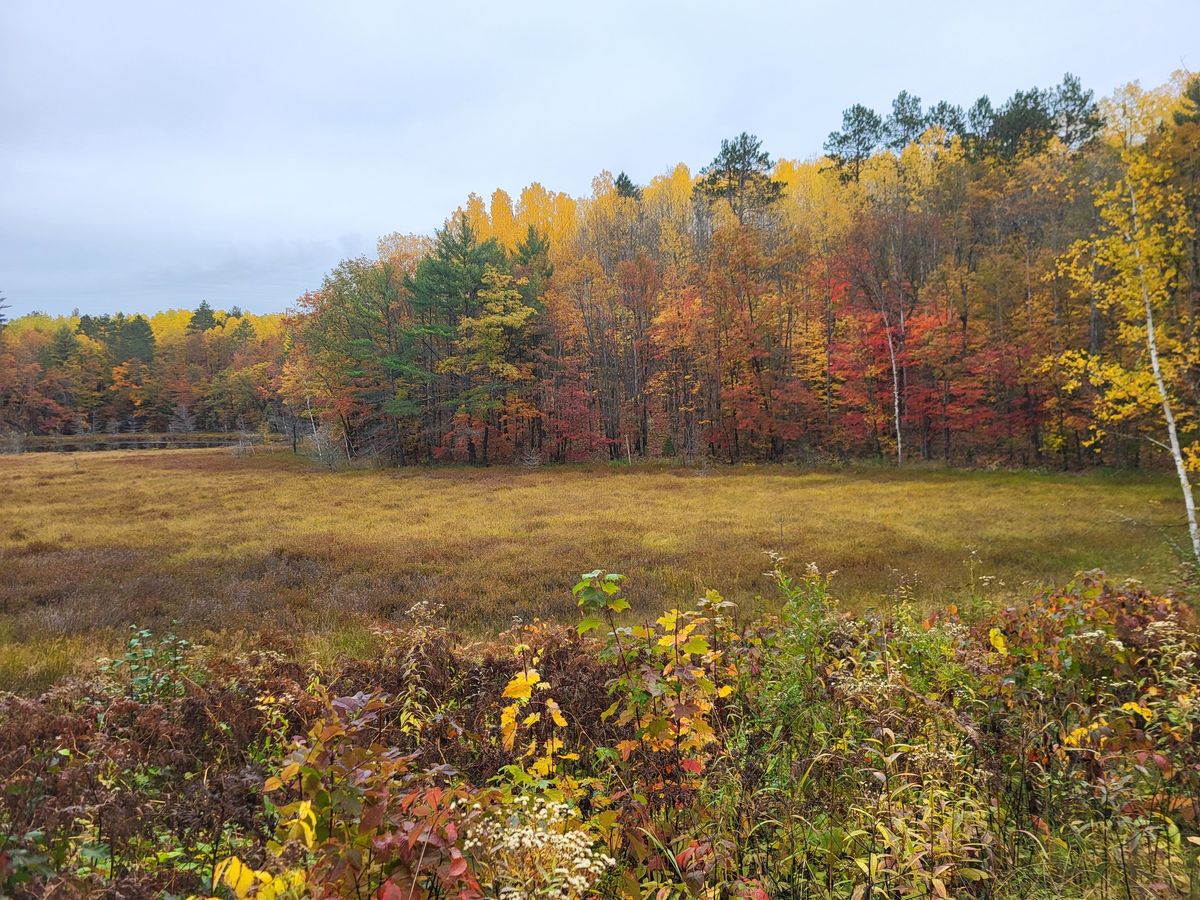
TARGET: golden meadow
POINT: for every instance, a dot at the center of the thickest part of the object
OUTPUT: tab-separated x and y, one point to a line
229	545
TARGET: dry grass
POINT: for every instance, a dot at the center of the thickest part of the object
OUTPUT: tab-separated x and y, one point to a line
90	543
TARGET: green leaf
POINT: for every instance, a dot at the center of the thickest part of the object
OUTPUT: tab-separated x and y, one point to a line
972	874
589	624
696	644
95	852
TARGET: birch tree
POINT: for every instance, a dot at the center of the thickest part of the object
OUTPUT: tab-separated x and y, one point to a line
1131	267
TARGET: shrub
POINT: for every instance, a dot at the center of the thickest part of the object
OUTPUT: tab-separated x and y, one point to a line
1047	749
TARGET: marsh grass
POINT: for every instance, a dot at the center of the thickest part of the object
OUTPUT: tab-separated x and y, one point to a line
31	666
90	543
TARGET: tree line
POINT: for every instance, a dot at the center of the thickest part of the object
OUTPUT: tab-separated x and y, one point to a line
178	370
940	284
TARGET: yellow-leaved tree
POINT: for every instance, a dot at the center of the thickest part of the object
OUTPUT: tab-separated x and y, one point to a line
1131	266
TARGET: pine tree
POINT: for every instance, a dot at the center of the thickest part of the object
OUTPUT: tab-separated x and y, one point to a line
1076	116
862	130
948	117
532	260
1190	108
1023	125
626	188
202	319
906	122
741	175
243	334
131	338
62	346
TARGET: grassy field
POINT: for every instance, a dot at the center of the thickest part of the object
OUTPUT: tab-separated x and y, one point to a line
90	543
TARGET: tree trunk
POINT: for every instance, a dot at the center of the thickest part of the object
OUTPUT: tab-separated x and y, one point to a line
1189	502
895	392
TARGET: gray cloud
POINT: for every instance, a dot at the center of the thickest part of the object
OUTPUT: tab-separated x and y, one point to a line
153	154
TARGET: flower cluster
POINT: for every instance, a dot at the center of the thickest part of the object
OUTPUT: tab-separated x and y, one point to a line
531	848
425	614
869	687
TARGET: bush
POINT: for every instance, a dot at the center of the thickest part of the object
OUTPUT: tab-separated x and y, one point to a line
1047	749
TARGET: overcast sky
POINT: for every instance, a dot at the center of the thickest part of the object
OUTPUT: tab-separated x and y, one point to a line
157	154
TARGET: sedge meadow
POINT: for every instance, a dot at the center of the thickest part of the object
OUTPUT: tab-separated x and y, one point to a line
92	541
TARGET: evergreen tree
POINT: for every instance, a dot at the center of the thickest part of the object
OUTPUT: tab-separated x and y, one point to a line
447	281
948	117
1076	116
979	121
1023	125
62	346
626	188
443	290
981	116
124	337
131	338
862	130
532	261
740	174
1190	111
243	334
95	327
906	122
203	319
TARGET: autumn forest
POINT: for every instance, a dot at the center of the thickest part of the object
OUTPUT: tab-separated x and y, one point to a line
939	285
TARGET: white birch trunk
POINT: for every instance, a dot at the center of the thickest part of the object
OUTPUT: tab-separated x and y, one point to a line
895	392
1189	501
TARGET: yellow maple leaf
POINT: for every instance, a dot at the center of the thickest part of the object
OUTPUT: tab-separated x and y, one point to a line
1144	711
239	877
521	686
555	713
508	725
996	638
